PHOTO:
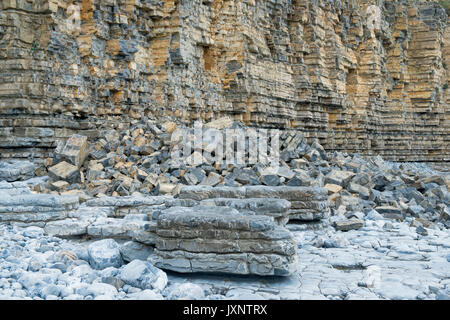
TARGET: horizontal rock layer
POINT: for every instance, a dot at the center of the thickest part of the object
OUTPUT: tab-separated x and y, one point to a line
276	208
222	240
313	66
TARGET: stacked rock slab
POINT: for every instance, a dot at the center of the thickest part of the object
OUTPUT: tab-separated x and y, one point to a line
19	205
122	206
112	217
276	208
307	203
115	217
222	240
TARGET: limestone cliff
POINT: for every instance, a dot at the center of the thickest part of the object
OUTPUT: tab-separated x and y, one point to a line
309	65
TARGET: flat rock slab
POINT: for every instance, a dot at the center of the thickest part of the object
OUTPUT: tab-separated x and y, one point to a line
307	215
276	208
235	263
274	234
122	206
391	212
128	201
67	227
282	247
347	225
10	189
267	206
288	193
40	200
207	217
115	228
309	225
309	210
219	239
207	192
280	192
307	203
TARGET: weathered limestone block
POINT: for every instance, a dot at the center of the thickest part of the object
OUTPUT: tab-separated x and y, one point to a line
205	217
207	192
338	177
67	228
232	246
97	222
347	225
11	189
237	263
222	240
84	212
288	193
145	234
391	212
115	228
275	234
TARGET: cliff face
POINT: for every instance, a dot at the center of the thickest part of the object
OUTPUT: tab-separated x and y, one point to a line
313	66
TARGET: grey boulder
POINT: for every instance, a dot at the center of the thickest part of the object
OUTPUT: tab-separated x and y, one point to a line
143	275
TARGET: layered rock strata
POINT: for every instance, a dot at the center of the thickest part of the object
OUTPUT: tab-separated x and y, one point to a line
19	205
16	170
315	66
276	208
222	240
122	206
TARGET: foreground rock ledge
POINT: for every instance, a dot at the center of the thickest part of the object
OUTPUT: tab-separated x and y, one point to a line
222	240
